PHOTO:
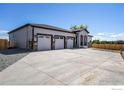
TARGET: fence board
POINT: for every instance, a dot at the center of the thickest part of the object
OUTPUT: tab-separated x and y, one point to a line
4	44
109	46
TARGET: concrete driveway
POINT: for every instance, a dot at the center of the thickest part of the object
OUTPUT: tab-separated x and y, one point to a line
66	67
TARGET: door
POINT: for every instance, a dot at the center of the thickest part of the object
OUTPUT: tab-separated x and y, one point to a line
70	42
44	42
59	42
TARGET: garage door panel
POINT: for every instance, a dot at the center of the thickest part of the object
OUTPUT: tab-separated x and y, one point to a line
70	42
59	42
44	42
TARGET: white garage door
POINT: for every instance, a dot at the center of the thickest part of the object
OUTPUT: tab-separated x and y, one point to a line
59	42
44	42
70	42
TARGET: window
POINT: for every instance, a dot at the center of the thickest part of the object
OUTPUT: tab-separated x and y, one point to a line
56	37
70	38
85	40
40	36
47	37
61	37
81	40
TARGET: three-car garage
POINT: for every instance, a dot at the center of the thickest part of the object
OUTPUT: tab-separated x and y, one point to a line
49	42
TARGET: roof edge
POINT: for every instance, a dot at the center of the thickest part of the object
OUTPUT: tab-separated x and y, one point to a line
30	24
90	35
80	30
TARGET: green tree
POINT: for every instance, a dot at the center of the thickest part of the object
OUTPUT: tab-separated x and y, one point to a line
74	27
96	42
79	27
83	27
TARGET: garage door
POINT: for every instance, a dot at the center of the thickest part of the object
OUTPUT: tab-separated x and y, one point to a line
59	42
44	42
70	42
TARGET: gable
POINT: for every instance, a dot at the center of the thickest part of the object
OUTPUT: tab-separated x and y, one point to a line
83	32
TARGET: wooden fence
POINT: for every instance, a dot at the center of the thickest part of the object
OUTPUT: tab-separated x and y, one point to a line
4	44
109	46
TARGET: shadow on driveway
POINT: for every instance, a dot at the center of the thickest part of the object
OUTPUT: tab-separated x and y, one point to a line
13	51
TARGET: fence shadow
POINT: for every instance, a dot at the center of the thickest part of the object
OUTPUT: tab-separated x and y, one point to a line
13	51
78	48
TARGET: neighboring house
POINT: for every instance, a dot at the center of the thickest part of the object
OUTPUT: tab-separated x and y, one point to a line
46	37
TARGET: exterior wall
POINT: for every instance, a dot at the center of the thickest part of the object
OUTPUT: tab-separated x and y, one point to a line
47	31
89	41
89	38
21	37
78	39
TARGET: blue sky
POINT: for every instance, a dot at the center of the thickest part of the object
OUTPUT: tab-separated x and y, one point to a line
105	21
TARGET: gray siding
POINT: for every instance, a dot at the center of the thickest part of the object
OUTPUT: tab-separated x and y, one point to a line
47	31
21	37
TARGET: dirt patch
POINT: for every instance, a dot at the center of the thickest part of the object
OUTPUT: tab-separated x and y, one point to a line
10	56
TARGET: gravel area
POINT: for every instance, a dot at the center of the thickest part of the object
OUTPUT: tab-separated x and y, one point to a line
10	56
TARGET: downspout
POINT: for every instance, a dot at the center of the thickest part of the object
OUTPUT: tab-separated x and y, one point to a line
9	39
76	41
32	38
27	44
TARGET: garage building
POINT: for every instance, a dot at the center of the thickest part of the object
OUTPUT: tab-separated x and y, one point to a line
46	37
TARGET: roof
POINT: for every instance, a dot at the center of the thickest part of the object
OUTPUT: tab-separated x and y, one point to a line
47	27
90	35
74	31
42	26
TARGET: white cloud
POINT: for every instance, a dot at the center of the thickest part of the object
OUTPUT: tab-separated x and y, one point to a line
3	34
100	34
3	31
4	37
109	36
